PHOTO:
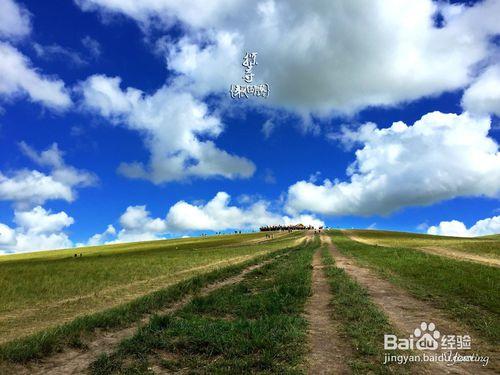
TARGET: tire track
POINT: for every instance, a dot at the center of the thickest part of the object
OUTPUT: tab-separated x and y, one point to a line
440	251
406	313
74	361
329	351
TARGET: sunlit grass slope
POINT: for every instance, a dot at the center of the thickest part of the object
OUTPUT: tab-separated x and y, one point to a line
487	245
255	326
466	290
135	246
47	288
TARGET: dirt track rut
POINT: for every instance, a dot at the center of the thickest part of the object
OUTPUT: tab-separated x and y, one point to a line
329	351
440	251
406	313
74	361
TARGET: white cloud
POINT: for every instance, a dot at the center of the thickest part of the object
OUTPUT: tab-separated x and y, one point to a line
100	238
93	46
172	123
52	241
29	187
440	157
14	20
456	228
18	77
215	215
38	229
137	225
138	218
324	56
32	187
198	13
55	51
38	220
52	157
268	128
7	235
212	67
483	96
269	177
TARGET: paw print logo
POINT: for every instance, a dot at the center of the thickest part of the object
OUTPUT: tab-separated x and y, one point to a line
427	336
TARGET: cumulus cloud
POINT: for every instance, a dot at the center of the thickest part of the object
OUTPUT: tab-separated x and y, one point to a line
456	228
40	229
31	187
7	235
136	217
176	127
483	96
322	56
215	215
100	238
38	220
439	157
136	225
37	229
18	77
14	20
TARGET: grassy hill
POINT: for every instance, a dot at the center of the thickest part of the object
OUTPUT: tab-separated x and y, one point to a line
485	246
294	303
46	288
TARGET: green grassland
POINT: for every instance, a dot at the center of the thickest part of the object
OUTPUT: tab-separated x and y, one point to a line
51	300
467	291
43	289
114	249
487	245
73	333
255	326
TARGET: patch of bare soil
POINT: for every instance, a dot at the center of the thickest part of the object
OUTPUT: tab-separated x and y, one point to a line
300	240
460	255
359	239
406	313
74	361
258	241
329	351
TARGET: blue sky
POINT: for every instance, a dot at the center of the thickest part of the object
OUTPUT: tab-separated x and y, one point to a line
135	97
